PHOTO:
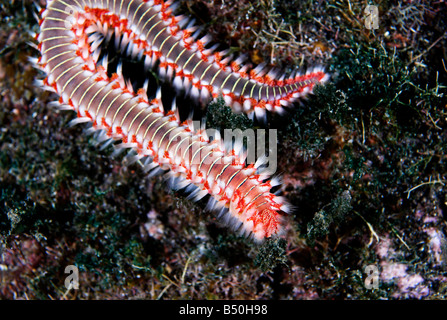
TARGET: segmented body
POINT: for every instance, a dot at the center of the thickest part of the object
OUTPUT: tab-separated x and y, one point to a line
111	105
153	32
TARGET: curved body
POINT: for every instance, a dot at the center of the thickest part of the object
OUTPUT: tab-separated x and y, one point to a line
66	44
